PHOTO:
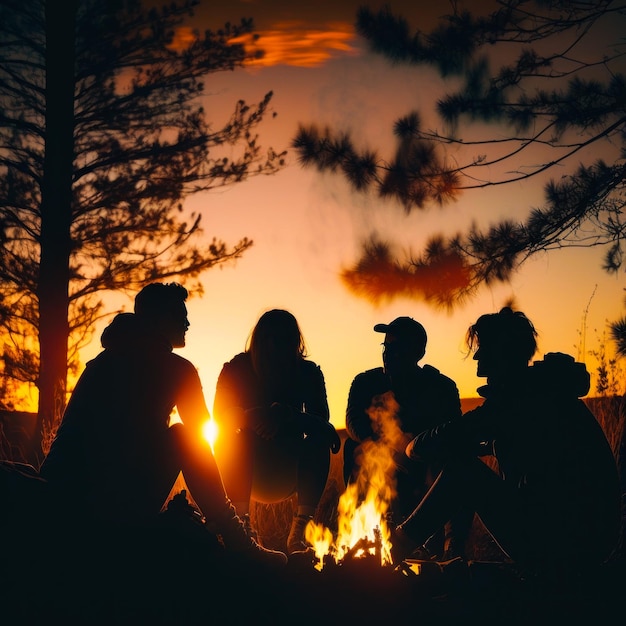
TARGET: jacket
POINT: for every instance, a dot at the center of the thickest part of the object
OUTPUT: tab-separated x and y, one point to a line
239	386
430	399
542	434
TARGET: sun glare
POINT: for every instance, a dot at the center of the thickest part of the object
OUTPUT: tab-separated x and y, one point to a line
209	430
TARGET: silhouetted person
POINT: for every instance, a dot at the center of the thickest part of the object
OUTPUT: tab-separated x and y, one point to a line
554	505
274	435
415	398
116	457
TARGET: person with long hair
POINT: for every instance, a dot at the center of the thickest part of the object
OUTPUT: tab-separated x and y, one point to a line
274	432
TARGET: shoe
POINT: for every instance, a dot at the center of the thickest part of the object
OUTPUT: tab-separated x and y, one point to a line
250	530
296	542
257	554
236	540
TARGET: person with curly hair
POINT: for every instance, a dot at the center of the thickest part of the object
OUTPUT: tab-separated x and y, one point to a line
553	502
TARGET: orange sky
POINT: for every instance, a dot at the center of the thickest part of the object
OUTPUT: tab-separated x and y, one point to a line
306	227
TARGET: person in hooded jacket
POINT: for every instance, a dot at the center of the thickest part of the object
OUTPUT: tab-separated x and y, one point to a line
553	504
117	453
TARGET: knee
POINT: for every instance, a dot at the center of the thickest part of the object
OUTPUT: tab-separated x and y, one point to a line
177	436
183	443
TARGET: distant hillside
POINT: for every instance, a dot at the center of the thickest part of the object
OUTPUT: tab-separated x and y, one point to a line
17	428
467	404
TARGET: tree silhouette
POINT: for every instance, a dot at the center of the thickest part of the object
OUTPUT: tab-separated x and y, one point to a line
547	81
102	135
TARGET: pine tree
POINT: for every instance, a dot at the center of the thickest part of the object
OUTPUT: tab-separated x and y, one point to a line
103	134
546	79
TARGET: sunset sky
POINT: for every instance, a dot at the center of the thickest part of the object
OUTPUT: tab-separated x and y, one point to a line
306	227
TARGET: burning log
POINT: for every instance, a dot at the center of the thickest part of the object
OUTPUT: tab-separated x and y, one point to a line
364	548
359	550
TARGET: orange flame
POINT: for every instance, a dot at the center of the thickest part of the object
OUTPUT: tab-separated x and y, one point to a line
363	506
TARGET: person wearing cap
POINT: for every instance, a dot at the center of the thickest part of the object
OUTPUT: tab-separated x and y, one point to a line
388	406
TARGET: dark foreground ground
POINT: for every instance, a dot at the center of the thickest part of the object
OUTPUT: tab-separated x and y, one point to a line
176	576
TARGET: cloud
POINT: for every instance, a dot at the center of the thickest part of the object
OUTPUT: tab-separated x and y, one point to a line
288	43
184	36
294	43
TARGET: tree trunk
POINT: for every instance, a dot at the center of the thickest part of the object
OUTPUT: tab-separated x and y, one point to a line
56	203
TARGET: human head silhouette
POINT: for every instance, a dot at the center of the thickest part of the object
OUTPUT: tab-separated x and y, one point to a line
160	308
404	345
276	341
502	342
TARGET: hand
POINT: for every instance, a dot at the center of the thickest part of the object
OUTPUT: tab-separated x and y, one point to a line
334	440
410	449
264	422
322	429
286	420
401	462
329	434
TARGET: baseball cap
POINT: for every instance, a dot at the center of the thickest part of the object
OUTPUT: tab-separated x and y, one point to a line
405	329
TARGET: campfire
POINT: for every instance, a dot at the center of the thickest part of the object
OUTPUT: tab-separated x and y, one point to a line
362	530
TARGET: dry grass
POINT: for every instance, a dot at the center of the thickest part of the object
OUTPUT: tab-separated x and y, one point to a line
16	433
610	411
